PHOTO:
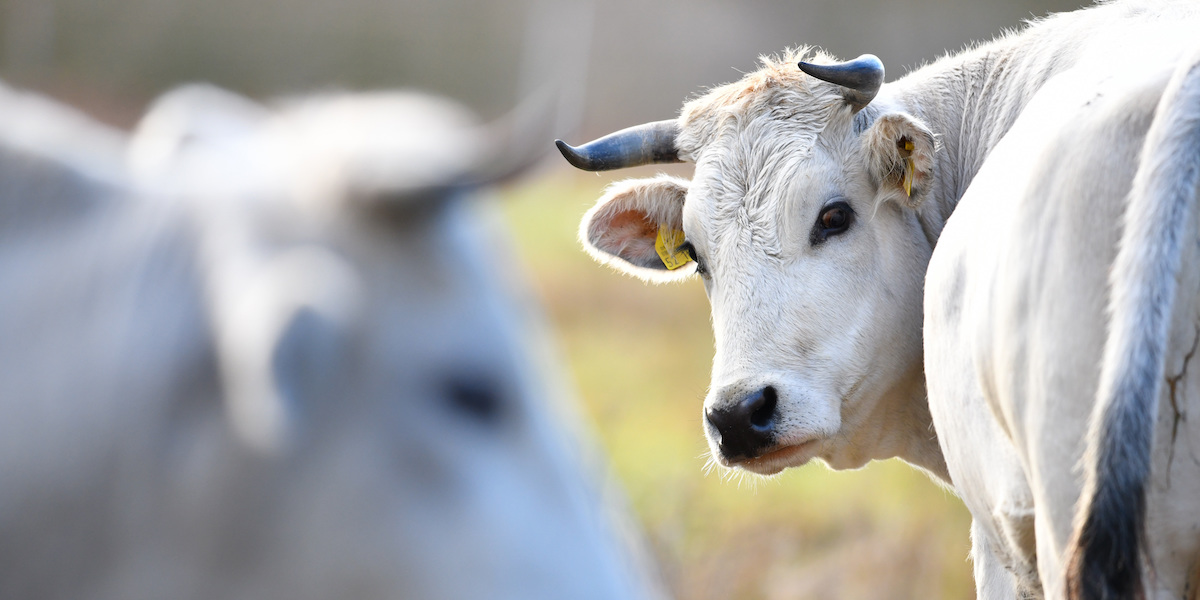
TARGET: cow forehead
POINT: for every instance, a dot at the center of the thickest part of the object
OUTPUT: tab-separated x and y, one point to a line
757	146
749	200
777	92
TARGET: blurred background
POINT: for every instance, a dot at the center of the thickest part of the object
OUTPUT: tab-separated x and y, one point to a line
639	355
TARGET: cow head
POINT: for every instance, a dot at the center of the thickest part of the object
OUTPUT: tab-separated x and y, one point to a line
804	220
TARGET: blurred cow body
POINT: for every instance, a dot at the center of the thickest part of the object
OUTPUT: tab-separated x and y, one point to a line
279	357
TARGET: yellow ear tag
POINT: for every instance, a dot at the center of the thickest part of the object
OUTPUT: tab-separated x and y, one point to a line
668	243
908	176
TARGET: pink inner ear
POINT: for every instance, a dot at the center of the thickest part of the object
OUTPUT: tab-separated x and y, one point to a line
630	236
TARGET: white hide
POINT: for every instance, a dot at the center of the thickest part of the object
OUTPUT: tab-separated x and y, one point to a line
214	387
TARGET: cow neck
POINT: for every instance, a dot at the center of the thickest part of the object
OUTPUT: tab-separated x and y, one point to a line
906	430
972	99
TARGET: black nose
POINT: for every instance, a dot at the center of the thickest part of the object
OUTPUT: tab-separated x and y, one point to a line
748	427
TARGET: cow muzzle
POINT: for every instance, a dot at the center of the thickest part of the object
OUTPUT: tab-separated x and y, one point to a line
745	429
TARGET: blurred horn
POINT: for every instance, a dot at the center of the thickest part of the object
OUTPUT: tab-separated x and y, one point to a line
648	143
862	77
513	139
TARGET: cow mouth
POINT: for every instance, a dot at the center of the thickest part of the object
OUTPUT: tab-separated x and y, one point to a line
771	463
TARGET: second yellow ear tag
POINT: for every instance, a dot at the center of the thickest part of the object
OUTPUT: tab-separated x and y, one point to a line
908	168
668	243
908	176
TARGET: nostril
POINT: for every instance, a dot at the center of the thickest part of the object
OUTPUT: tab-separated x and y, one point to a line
764	413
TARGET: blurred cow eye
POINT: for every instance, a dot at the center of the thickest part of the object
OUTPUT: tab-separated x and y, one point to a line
478	398
835	218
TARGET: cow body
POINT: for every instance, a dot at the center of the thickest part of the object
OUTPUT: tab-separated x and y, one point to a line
1017	296
271	365
819	198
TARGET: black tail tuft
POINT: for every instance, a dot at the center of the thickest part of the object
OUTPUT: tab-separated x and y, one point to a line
1107	564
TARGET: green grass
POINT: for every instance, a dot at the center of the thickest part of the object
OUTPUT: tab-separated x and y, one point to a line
640	356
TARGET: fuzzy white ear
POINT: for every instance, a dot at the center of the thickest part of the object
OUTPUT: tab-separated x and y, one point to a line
383	149
194	115
622	230
900	151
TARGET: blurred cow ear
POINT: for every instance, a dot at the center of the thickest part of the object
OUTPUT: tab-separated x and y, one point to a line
278	321
900	151
188	117
629	224
381	149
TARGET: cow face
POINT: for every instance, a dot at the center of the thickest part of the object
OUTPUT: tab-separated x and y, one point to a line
802	220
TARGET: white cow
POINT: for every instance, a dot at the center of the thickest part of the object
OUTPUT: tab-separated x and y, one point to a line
818	197
286	362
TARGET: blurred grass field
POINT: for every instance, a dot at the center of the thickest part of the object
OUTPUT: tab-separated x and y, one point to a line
640	357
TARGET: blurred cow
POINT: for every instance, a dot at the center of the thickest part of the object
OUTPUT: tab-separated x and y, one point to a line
277	356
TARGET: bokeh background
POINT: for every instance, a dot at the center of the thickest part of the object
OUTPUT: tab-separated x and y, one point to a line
639	355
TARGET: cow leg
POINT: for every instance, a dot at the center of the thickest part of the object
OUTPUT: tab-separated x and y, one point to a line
994	580
1015	518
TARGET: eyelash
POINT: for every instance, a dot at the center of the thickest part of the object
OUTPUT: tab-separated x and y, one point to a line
691	250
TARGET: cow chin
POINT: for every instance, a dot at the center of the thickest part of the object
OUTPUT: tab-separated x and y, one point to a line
782	457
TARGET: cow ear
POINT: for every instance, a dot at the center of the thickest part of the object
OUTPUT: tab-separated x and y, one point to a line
633	221
900	151
189	117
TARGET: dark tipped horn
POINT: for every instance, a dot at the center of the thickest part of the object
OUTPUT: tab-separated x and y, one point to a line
862	77
644	144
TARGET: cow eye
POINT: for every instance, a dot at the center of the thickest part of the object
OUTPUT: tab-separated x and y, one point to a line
835	218
475	397
701	268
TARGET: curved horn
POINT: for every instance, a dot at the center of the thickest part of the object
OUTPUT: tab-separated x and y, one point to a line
644	144
862	77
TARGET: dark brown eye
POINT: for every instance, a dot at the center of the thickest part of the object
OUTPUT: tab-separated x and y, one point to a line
835	218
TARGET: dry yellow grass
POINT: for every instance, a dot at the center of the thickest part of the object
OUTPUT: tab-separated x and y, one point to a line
640	358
